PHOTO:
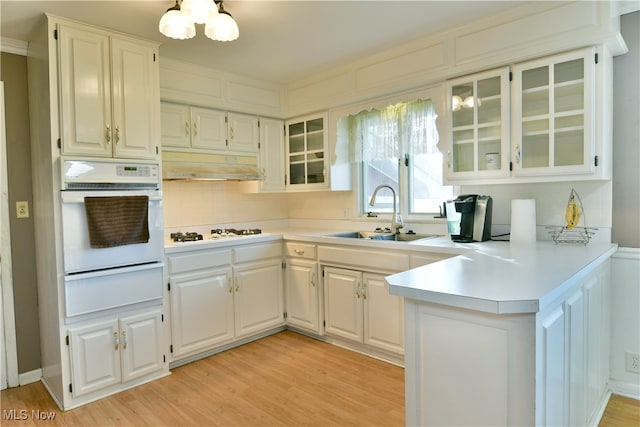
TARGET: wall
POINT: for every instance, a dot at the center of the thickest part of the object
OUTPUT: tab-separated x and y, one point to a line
191	204
13	71
625	283
626	137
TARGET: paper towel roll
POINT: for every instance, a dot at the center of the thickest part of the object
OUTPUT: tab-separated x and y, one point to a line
523	221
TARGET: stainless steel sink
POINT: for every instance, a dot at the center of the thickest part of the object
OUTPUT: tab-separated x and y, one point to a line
372	235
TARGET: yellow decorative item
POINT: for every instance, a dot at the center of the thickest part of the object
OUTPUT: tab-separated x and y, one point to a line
573	212
573	215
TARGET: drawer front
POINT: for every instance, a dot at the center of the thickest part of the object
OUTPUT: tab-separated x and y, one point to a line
364	260
258	252
198	261
300	250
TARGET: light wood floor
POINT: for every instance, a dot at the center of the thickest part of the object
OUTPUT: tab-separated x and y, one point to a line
286	379
283	380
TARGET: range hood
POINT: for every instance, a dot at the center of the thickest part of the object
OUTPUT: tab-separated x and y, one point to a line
201	166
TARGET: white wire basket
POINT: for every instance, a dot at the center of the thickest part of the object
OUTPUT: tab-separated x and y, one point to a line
572	232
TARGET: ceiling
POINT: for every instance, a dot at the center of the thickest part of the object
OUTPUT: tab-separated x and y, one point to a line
280	41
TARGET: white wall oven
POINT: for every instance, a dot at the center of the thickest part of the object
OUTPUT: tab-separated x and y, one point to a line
112	235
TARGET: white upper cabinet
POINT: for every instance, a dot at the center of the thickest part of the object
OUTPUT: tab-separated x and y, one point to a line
243	132
554	125
478	110
204	129
109	94
553	115
272	155
305	153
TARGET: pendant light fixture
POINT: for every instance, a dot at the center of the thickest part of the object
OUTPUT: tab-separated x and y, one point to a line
178	22
176	25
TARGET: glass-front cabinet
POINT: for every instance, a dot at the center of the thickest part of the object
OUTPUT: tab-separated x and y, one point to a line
553	115
306	149
478	107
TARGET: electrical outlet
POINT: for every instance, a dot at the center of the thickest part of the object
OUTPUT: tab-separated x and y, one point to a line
22	209
632	362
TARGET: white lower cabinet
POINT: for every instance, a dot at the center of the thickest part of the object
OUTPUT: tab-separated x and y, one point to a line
258	299
201	311
303	294
358	307
573	362
220	296
114	351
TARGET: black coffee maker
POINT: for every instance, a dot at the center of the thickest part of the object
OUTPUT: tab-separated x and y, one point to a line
469	218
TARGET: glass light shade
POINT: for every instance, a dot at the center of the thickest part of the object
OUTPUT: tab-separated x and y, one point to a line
456	103
176	25
222	28
200	11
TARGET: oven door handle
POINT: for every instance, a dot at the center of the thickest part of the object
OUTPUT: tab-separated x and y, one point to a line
110	271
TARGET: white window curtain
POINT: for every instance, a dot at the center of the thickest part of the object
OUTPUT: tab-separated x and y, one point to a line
397	129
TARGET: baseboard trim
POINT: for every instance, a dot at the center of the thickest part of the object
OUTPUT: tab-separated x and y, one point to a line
625	389
30	377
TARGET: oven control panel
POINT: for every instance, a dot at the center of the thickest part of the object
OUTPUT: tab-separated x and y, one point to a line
137	170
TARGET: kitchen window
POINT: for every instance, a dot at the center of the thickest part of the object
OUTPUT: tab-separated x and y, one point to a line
397	146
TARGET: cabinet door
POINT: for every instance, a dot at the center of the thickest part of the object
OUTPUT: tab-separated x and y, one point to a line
175	125
141	344
272	155
383	315
343	303
95	357
306	148
201	311
136	102
208	129
478	108
243	133
85	92
553	115
258	297
551	409
302	294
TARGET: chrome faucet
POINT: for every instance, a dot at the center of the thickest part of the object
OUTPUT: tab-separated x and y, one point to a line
396	219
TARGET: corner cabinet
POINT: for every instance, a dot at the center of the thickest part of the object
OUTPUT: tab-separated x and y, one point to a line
303	295
553	115
109	94
271	158
479	120
306	149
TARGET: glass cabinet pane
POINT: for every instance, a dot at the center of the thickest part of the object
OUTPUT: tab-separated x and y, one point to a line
478	112
552	114
306	152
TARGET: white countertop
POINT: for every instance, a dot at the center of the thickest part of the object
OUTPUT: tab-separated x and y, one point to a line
500	277
494	277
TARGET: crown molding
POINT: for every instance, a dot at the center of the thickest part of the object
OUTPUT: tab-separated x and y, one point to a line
17	47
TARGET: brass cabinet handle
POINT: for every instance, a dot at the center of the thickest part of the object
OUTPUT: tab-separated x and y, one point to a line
230	285
299	251
518	153
124	340
117	134
108	134
186	128
313	279
195	128
116	341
